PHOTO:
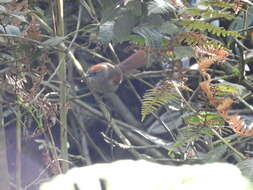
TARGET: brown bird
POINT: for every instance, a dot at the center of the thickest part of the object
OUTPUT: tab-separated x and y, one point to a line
106	77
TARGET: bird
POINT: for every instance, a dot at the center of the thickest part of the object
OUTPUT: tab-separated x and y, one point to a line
105	77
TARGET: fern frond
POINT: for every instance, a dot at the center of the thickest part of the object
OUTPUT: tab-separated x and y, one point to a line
157	97
219	53
239	127
210	55
204	26
189	134
208	13
220	4
192	38
205	62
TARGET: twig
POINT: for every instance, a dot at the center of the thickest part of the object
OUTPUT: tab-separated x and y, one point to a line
228	145
77	27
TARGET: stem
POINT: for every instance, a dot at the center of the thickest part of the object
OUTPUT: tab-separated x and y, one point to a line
4	173
63	88
18	150
228	145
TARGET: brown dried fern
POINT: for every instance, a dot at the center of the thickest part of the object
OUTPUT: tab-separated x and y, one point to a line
222	105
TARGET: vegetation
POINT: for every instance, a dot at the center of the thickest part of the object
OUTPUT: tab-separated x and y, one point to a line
190	104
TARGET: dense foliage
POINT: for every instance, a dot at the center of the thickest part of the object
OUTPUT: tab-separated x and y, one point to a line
190	104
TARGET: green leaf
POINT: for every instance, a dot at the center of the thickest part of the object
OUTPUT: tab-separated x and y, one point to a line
203	26
205	118
123	26
169	28
106	32
5	1
153	38
138	39
183	51
159	7
10	29
225	88
116	25
155	98
54	41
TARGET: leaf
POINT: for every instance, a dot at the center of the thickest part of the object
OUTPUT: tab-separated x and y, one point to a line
220	4
155	98
200	25
169	28
153	38
135	7
138	39
5	1
10	29
208	118
54	41
209	13
161	95
159	7
123	26
184	51
225	89
106	32
116	27
189	134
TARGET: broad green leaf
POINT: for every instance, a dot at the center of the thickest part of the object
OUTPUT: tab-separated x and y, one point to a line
5	1
225	88
138	39
10	29
54	41
183	51
169	28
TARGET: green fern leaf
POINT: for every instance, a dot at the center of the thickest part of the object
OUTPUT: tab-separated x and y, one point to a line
204	26
157	97
208	13
189	134
220	4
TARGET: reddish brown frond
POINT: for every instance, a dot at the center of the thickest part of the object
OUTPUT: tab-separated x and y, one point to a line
224	105
191	38
205	63
205	86
33	30
238	5
238	126
209	55
220	54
